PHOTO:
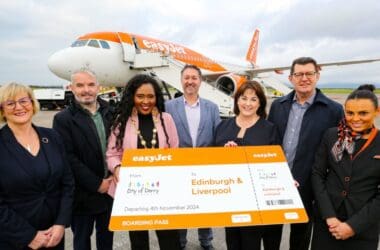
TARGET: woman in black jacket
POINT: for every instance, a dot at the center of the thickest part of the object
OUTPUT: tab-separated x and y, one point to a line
36	185
346	178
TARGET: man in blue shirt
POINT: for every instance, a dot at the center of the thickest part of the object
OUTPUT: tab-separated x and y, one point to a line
196	119
301	118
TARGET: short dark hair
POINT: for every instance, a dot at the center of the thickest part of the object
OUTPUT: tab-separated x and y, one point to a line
191	66
255	86
304	61
365	91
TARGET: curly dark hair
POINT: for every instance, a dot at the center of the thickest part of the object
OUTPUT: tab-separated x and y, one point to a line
125	106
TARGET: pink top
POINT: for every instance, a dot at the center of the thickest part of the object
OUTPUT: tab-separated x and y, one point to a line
113	155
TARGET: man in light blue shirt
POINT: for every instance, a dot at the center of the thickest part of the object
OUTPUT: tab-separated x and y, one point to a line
196	119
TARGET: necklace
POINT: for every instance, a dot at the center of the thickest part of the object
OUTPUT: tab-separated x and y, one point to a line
28	147
153	142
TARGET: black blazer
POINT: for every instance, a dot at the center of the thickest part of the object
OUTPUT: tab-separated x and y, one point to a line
85	155
24	198
353	184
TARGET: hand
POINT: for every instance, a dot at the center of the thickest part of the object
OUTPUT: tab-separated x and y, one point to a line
56	235
230	144
116	172
341	231
296	183
103	188
40	240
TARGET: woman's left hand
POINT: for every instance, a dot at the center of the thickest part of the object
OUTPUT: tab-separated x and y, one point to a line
56	232
230	144
342	231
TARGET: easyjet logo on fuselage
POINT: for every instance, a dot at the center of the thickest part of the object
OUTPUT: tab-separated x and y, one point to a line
166	47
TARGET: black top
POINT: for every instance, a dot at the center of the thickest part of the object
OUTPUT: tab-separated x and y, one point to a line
146	126
35	191
85	155
262	132
349	188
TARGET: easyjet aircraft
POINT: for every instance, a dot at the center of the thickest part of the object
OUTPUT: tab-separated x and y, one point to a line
115	57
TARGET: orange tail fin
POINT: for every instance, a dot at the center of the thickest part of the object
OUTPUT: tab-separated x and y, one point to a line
253	47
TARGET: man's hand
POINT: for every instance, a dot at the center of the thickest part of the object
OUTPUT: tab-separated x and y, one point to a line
103	188
40	240
56	235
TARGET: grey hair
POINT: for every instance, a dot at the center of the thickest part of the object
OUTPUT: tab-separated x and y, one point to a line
86	71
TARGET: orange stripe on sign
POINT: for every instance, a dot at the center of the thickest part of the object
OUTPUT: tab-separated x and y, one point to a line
284	216
227	219
202	156
178	221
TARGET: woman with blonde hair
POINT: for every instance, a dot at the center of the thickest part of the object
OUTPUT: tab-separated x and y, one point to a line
36	184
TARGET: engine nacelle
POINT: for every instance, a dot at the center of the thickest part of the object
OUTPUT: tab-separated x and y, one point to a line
229	83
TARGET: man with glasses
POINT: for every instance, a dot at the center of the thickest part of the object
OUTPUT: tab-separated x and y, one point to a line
301	118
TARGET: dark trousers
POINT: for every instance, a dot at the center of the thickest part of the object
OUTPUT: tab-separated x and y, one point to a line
322	239
82	227
167	239
300	235
205	236
249	238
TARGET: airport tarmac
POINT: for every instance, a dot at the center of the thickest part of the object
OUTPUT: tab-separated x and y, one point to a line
121	241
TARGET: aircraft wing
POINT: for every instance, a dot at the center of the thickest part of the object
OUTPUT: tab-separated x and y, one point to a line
255	71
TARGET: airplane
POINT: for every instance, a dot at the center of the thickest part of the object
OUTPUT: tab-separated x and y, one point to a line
115	57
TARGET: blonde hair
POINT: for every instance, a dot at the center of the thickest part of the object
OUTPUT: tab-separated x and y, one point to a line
11	90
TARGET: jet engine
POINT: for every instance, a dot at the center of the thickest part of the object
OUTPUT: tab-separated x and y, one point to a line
229	83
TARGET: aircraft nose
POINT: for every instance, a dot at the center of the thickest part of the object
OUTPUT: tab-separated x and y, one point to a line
55	63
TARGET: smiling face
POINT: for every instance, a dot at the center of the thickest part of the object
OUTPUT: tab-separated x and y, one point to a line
145	99
191	81
18	110
85	88
248	103
360	114
304	79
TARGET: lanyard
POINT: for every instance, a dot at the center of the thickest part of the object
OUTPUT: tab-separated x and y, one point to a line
371	137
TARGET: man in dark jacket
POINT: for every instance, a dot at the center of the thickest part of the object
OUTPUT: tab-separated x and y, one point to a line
302	117
84	127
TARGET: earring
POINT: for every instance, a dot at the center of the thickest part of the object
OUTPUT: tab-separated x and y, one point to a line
134	111
155	111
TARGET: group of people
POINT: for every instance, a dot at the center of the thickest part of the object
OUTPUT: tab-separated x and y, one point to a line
66	176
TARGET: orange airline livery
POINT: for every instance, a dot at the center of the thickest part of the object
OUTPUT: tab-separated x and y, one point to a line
115	57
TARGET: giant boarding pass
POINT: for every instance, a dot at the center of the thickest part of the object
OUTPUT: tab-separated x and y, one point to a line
205	187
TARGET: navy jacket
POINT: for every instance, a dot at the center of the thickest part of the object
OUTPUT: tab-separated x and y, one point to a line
85	155
351	184
322	114
28	204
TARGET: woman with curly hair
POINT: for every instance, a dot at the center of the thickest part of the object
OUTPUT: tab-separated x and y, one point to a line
142	123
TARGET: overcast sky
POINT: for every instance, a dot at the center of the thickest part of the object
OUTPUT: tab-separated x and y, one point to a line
31	30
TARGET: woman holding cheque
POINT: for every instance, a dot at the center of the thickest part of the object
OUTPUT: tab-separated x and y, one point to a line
142	123
249	128
346	178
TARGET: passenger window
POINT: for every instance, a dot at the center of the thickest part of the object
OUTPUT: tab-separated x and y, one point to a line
104	44
93	43
79	43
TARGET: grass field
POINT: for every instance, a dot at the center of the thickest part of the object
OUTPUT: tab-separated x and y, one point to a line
341	91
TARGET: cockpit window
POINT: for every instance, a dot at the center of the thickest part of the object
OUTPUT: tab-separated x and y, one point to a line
104	44
79	43
93	43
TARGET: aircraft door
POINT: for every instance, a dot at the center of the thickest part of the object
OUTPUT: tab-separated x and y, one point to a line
128	48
